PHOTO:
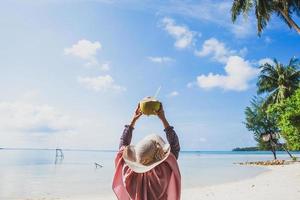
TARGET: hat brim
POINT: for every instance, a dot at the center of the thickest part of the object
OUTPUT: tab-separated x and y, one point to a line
140	168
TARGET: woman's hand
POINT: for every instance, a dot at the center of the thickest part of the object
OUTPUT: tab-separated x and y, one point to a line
161	115
137	114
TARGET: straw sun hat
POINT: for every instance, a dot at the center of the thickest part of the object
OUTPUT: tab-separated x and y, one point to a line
146	154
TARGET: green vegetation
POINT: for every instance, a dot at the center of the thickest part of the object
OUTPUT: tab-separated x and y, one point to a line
288	119
276	111
259	122
265	9
246	149
279	148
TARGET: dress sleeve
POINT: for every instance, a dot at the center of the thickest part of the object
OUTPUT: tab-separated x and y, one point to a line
126	136
173	140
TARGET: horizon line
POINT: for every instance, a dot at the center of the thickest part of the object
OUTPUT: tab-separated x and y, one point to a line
112	150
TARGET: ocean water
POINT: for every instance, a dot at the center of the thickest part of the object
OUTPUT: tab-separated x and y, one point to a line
37	174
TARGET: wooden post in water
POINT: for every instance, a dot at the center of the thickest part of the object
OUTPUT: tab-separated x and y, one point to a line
59	153
59	156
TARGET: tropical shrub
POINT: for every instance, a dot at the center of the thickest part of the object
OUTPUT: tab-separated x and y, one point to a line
288	119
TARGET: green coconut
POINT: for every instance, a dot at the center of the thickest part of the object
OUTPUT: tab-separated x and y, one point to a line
149	105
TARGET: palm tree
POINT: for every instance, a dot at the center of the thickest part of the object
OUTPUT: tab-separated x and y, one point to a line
264	10
278	81
261	123
285	8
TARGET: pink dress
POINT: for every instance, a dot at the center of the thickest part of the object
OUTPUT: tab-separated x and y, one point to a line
161	183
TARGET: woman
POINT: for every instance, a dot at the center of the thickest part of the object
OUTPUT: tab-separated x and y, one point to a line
149	169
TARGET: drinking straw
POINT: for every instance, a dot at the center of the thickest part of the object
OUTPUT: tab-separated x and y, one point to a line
157	92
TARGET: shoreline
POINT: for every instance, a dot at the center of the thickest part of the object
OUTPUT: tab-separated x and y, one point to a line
280	182
276	183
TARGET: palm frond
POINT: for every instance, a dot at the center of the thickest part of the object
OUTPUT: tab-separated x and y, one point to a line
278	81
240	6
294	62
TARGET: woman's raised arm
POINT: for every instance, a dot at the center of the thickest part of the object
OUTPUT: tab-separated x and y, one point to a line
127	133
170	133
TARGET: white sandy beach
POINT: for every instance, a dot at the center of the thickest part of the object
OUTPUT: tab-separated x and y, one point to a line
280	183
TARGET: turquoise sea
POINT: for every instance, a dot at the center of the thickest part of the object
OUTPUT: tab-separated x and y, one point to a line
37	174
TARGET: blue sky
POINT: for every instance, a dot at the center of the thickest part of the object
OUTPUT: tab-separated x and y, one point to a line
72	72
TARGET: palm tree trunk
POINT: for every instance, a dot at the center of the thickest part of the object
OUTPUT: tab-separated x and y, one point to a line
290	21
274	153
273	148
287	151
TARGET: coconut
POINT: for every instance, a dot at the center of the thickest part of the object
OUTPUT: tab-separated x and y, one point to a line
149	105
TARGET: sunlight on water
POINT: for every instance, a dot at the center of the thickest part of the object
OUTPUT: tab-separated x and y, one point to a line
33	173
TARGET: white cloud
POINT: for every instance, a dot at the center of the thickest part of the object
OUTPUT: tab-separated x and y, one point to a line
25	124
265	60
20	116
173	94
239	71
216	49
84	49
100	83
216	12
204	11
34	125
182	35
242	28
87	51
238	74
160	60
